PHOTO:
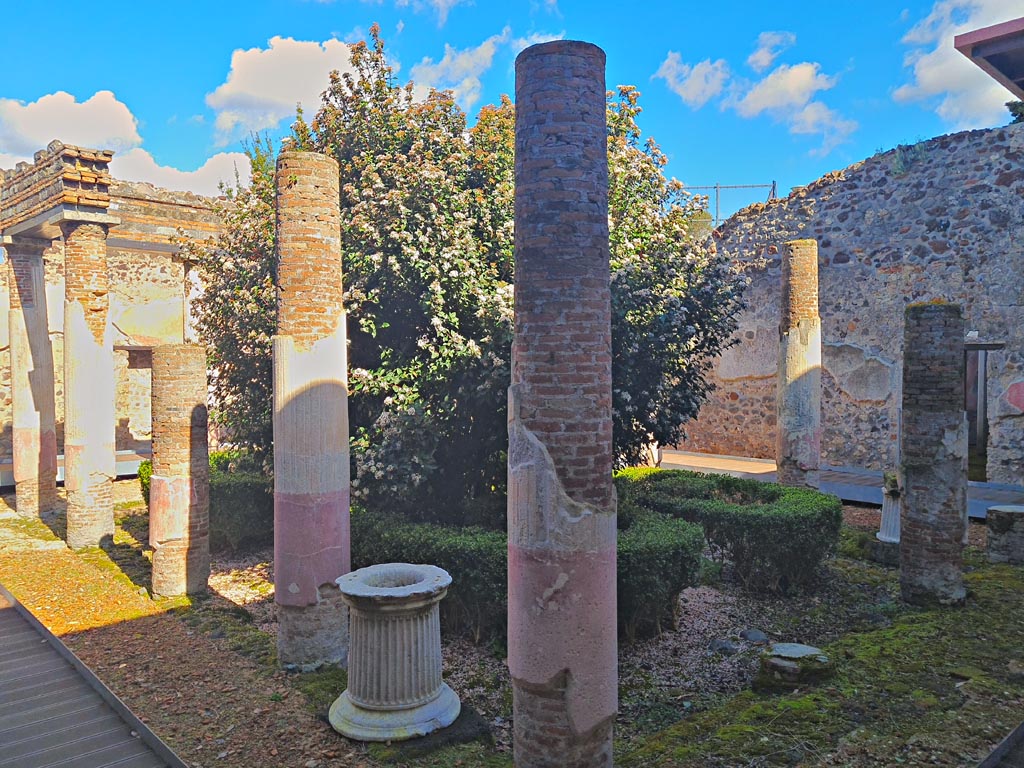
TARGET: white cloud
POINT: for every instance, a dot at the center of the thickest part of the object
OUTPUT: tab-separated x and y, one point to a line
443	7
521	43
695	84
460	70
943	78
138	165
816	118
787	95
101	122
265	84
785	88
769	46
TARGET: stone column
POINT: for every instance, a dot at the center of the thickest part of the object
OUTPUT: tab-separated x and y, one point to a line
32	390
89	386
933	447
798	397
561	501
311	461
179	496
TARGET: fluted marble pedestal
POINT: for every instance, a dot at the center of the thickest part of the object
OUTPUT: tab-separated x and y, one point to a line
395	691
889	531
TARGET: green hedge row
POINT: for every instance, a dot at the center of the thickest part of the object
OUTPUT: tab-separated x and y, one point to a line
775	537
658	557
241	502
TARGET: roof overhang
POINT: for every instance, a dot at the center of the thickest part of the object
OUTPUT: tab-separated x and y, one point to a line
999	50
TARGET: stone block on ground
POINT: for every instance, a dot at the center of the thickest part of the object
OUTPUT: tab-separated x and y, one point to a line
1005	534
788	666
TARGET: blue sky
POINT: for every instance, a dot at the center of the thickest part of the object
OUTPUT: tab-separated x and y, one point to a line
735	92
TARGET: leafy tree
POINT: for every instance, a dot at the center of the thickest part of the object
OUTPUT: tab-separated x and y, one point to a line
427	254
1016	111
674	300
235	314
427	221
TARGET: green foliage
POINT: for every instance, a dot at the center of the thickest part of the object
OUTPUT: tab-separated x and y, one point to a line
658	558
905	156
241	510
145	473
235	314
241	500
1016	111
476	559
775	537
426	230
674	299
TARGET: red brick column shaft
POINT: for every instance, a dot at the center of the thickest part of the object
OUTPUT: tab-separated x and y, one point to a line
32	390
179	496
311	459
561	503
89	386
798	395
933	447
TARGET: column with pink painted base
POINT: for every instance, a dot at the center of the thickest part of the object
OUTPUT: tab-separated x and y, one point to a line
561	502
311	457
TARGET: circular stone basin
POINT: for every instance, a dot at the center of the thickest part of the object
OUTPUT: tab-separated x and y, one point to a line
395	690
393	584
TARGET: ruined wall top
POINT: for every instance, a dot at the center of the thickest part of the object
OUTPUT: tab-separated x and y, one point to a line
61	174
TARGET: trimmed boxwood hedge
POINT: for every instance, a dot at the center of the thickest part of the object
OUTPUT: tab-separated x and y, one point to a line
658	557
776	537
241	502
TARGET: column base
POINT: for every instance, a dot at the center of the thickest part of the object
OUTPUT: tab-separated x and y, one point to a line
35	499
360	724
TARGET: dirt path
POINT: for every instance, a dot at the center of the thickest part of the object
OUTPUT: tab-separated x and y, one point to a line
211	704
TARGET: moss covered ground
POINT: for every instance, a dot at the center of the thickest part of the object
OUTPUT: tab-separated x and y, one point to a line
930	687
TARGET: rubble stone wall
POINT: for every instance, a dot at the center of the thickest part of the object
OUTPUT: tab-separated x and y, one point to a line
943	219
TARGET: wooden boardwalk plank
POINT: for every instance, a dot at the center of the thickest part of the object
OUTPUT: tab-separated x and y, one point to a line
55	713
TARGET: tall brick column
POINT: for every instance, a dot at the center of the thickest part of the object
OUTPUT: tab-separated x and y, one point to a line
89	386
561	501
179	496
311	461
798	396
32	391
933	446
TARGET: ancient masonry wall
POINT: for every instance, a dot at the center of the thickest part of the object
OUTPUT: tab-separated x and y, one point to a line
145	295
934	455
941	219
179	497
561	502
311	459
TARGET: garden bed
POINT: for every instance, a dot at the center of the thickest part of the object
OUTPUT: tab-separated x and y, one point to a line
913	687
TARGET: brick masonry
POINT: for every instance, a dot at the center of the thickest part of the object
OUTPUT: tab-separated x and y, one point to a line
562	631
311	459
89	463
798	400
179	506
934	455
940	219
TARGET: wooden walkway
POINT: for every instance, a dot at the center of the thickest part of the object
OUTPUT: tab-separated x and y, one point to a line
859	485
54	712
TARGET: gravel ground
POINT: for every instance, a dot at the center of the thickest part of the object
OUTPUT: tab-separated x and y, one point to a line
661	678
